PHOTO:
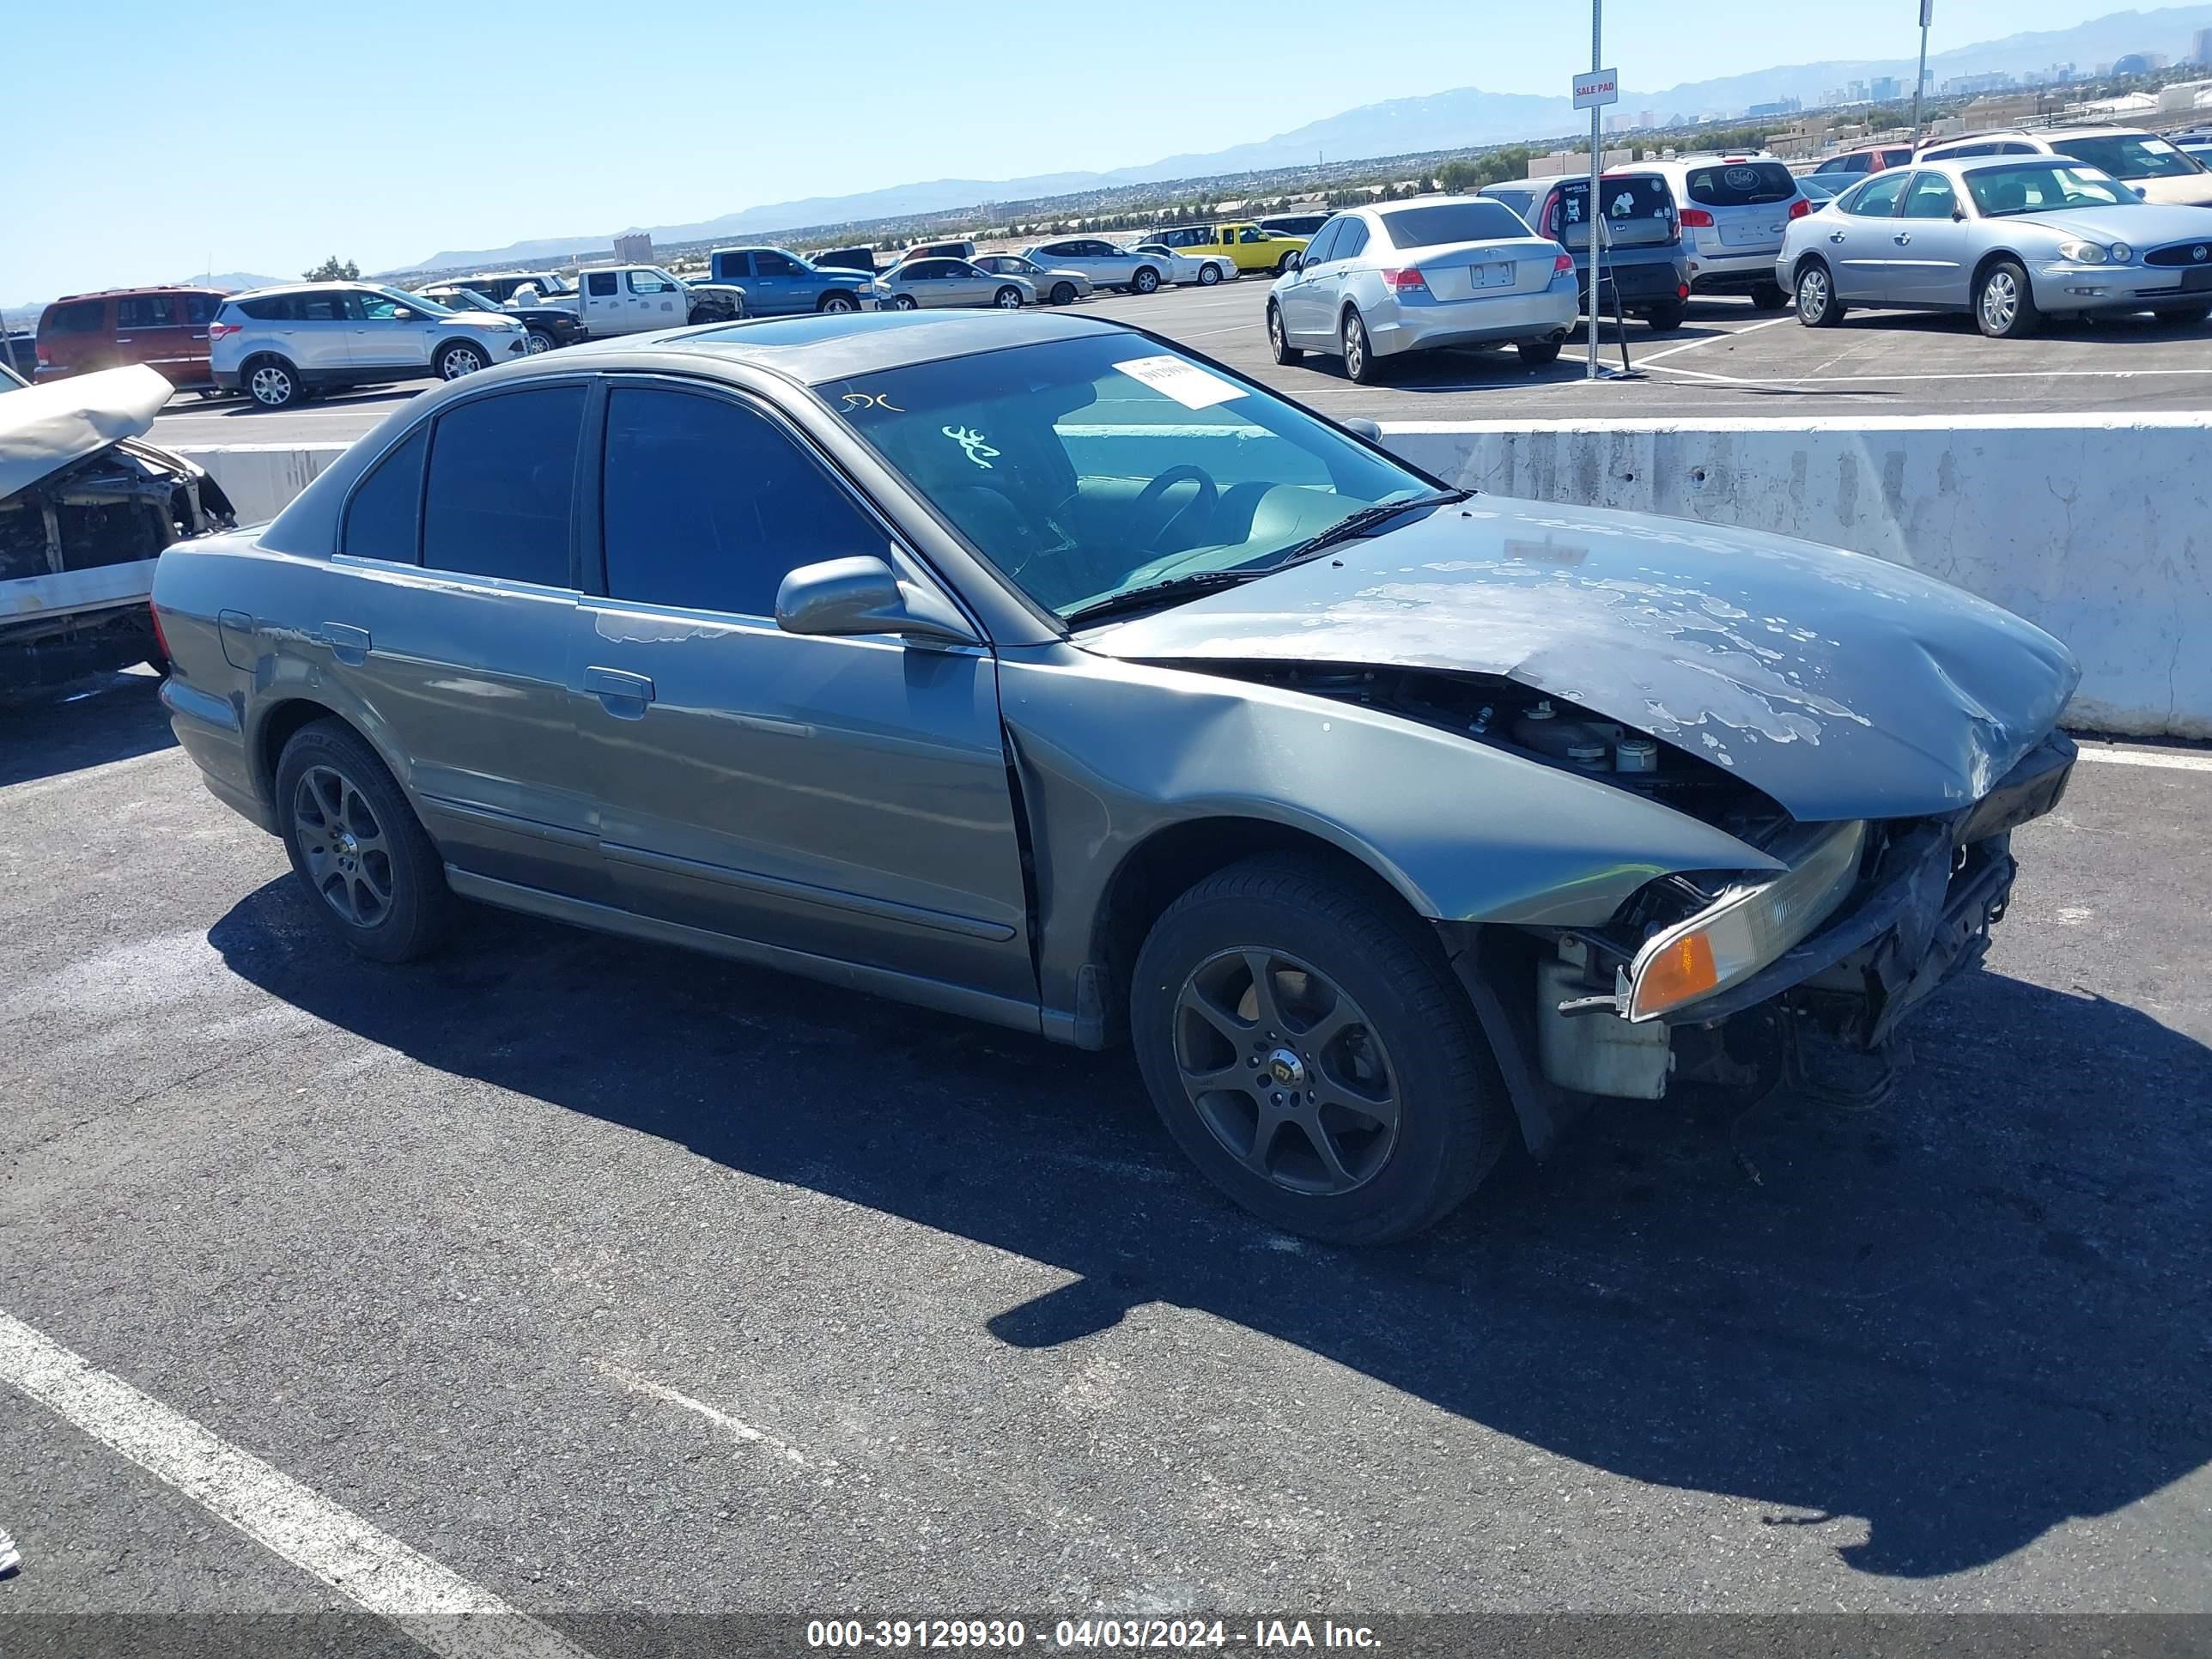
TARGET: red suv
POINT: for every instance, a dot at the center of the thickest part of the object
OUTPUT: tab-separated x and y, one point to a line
164	328
1853	165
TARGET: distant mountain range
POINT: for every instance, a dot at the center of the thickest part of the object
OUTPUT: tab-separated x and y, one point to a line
1443	120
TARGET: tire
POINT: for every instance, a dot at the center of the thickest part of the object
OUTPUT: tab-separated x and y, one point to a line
2004	303
1329	950
1817	304
1279	340
1063	294
2182	316
1770	296
1146	281
1538	353
1665	316
1008	298
458	357
837	305
904	302
272	383
1359	365
541	342
1209	274
357	848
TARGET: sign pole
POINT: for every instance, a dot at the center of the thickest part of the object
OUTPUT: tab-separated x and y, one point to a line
1927	16
1593	213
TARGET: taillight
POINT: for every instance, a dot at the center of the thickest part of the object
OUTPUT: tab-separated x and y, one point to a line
45	362
218	330
159	638
1800	208
1405	282
1697	219
1562	264
1683	289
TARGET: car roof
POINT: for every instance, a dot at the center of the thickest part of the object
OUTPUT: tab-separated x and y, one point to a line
820	347
144	288
308	287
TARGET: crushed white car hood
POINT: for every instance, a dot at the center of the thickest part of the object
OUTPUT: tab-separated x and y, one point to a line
43	427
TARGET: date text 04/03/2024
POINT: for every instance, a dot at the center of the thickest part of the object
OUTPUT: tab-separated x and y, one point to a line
1138	1635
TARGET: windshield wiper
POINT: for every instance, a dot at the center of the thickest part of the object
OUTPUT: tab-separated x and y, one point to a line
1367	519
1158	593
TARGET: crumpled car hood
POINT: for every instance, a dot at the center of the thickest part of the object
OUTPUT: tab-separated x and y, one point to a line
1840	685
43	427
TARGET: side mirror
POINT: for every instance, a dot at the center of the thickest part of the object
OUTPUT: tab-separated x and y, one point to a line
1295	261
1367	429
403	315
1957	215
2142	195
864	595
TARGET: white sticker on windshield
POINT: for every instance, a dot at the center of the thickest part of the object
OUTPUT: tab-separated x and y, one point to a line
1187	383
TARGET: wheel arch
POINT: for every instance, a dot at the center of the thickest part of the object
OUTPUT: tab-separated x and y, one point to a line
1811	256
282	718
1993	256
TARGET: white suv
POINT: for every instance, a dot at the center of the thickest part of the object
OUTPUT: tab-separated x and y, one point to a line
2158	170
279	344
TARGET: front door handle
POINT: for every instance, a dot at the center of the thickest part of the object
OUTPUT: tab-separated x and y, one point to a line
622	694
1902	238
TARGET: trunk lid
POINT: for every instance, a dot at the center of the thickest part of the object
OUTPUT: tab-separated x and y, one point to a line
1472	270
1840	685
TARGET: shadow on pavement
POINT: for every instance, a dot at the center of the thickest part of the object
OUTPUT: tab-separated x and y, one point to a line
108	717
1967	1317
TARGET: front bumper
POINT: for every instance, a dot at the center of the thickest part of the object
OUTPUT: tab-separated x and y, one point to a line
1403	326
2062	285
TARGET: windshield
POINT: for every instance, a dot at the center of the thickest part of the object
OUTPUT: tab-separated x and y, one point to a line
1451	222
415	301
1086	468
2044	187
2129	156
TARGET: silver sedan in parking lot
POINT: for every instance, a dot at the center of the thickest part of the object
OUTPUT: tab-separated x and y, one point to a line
917	282
1445	270
2010	240
1059	288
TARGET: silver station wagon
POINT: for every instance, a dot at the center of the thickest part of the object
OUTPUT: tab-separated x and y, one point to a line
1031	669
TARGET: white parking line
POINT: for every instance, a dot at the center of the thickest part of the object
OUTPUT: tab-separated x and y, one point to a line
2177	760
1725	334
1973	374
441	1610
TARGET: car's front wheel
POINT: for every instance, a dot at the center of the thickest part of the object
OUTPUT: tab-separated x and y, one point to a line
459	358
1817	305
837	305
1209	274
1307	1045
356	845
2004	304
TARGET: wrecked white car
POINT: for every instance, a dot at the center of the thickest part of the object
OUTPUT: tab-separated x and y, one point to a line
85	510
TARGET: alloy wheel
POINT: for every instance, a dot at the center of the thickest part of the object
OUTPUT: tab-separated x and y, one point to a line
837	304
1813	295
1355	348
459	360
1285	1071
343	846
1009	299
2000	301
271	385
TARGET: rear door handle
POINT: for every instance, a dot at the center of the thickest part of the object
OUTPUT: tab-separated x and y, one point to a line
1902	238
1835	235
622	694
349	644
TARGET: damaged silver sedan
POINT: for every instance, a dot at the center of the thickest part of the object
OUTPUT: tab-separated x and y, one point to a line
1033	669
85	509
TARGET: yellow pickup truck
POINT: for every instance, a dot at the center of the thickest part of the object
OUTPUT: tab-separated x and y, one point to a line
1250	246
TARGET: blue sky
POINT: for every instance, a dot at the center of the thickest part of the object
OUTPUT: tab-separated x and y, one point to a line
139	142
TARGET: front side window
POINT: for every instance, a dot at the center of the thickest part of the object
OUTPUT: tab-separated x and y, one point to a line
1084	468
1930	197
387	508
1877	198
501	484
709	505
2044	186
2129	156
651	281
379	307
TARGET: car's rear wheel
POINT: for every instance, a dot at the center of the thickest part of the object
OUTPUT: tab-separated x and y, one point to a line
541	342
460	357
1817	305
1147	280
903	302
2182	316
357	847
837	305
1770	296
1359	364
1063	294
1008	298
1665	316
1279	338
1306	1044
1209	274
1538	353
2004	304
272	383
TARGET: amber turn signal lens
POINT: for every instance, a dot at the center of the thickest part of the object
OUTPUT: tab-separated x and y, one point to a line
1683	970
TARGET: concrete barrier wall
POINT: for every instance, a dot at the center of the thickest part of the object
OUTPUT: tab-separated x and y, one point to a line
2097	527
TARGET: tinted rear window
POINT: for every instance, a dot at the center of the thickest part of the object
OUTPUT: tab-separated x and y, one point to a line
1451	222
502	475
1523	202
381	518
1742	184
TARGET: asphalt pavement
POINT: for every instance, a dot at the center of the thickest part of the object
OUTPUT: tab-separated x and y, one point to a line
608	1280
1727	361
